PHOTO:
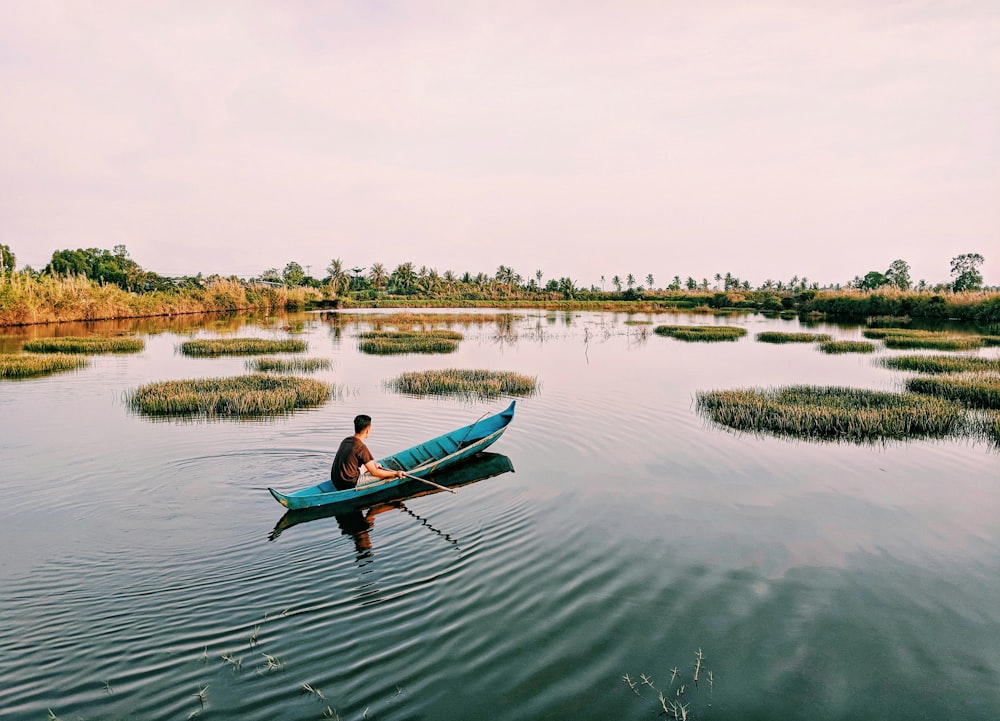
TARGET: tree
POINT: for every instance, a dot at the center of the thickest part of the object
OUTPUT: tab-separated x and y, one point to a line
649	281
675	284
965	270
691	283
872	280
100	265
718	277
899	274
7	259
338	279
293	275
617	283
630	280
402	278
378	276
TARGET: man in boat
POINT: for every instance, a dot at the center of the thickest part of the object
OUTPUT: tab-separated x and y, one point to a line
354	464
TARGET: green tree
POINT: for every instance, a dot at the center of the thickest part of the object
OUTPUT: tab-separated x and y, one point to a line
691	283
293	275
617	283
872	280
649	281
378	276
965	270
630	280
403	278
899	274
8	262
99	265
337	278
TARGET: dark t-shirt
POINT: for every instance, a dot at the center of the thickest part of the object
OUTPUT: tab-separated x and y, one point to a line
351	456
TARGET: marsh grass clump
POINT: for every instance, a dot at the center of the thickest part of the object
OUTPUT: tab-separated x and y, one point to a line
240	346
832	413
287	365
466	383
976	390
394	342
638	322
847	346
779	337
241	396
701	332
412	320
941	363
902	338
35	365
888	321
92	345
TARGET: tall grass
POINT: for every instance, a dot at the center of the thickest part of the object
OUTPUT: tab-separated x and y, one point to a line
778	337
392	342
941	363
465	383
241	396
900	338
847	346
32	366
90	345
976	390
701	332
832	413
287	365
240	346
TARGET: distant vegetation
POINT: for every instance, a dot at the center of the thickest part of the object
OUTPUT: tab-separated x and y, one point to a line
240	346
465	383
701	332
32	366
778	337
85	345
242	396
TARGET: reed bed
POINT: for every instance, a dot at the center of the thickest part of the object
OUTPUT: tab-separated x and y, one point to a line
888	321
832	413
86	344
396	342
847	346
288	365
706	333
779	337
465	383
35	365
976	390
941	363
240	396
409	320
990	340
901	338
638	322
240	346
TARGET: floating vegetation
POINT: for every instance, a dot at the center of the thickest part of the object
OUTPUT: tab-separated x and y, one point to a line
638	322
288	365
240	346
901	338
242	396
847	346
976	390
888	321
32	366
832	413
467	383
941	363
86	344
778	337
701	332
391	342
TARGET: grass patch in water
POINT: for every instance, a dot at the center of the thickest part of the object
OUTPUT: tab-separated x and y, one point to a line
390	342
888	321
35	365
240	346
466	383
832	413
941	363
638	322
701	332
408	320
239	396
769	336
847	346
976	390
287	365
901	338
88	345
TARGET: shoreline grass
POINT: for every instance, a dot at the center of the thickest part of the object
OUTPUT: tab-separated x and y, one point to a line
14	367
770	336
287	365
906	339
941	363
832	413
238	396
847	346
409	320
705	333
466	383
86	344
399	342
975	390
239	346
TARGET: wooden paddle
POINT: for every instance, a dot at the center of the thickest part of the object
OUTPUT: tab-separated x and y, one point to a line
429	483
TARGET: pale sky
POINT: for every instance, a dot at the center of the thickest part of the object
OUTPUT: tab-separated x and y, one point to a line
822	138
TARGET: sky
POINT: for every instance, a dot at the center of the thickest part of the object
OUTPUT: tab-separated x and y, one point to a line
581	138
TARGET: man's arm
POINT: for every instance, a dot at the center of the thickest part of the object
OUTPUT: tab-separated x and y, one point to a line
378	471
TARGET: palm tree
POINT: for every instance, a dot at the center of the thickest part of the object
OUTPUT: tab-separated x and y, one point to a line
617	283
649	281
402	278
339	280
718	277
378	276
602	283
630	280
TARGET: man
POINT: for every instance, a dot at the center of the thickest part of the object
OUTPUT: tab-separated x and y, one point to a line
354	464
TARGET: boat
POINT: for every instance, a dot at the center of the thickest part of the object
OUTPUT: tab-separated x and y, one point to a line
481	466
419	462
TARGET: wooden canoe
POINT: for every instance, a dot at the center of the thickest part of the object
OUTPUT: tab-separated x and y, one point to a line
421	461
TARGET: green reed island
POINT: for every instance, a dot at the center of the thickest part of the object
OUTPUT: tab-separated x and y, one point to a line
288	365
398	342
240	346
36	365
465	383
92	345
706	333
241	396
941	363
779	337
835	347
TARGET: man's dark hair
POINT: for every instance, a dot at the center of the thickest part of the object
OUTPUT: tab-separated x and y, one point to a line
361	422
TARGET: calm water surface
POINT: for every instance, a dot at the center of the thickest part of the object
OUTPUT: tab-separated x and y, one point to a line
820	581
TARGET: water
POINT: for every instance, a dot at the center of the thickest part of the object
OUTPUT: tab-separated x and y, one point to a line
820	581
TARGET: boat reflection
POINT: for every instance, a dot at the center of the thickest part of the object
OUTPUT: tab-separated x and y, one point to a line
357	522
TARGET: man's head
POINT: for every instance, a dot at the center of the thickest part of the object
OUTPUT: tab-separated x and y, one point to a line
361	423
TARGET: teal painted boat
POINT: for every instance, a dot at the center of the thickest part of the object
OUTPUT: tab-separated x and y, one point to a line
420	461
